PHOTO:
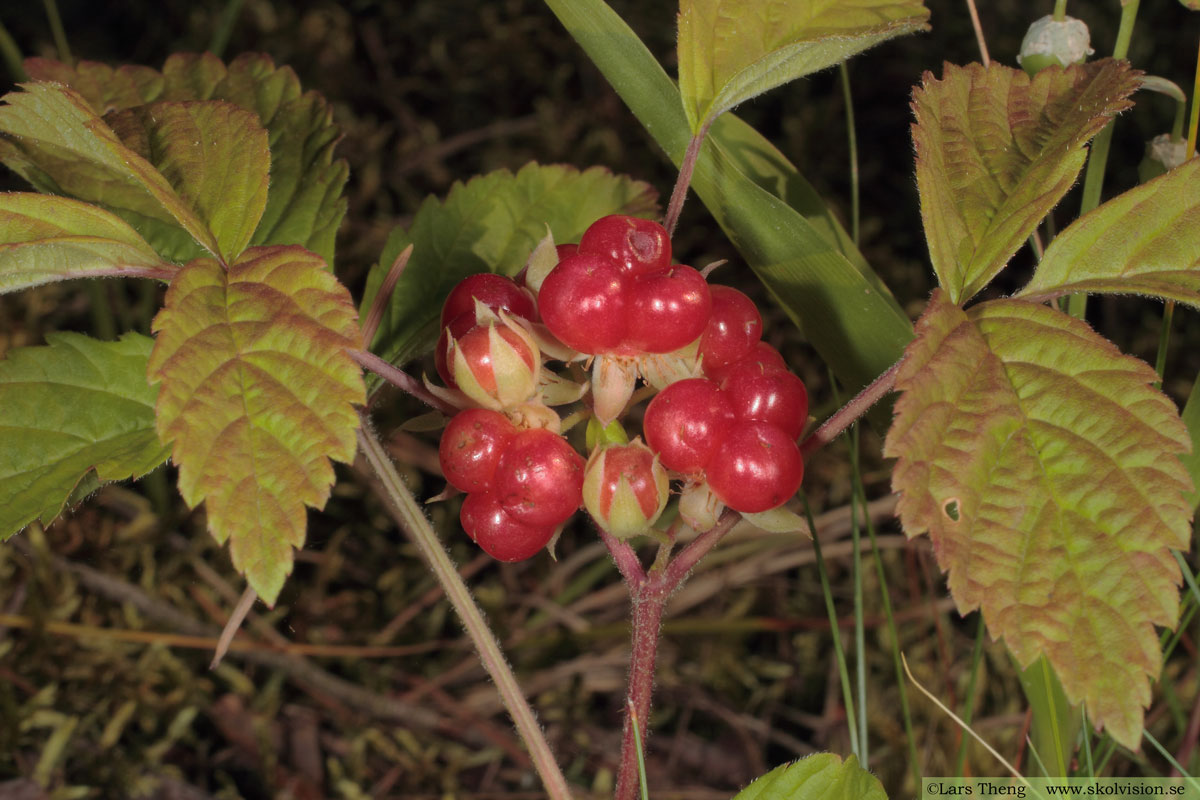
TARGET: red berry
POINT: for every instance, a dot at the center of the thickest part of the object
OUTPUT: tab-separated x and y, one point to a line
494	291
471	447
734	327
539	480
762	354
756	468
636	245
767	395
686	422
583	303
667	309
497	532
564	250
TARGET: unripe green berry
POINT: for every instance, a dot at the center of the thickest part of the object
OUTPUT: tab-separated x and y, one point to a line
625	488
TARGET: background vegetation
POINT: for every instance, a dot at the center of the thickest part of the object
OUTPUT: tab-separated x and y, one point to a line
102	694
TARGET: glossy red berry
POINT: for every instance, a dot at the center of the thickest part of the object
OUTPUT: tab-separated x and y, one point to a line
757	467
636	245
539	480
667	309
762	354
471	447
494	291
499	534
734	327
583	303
685	423
766	394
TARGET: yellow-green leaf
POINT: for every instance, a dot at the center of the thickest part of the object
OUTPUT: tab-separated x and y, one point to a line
997	150
257	393
1046	470
733	50
76	412
821	776
53	139
1144	241
213	153
45	238
305	204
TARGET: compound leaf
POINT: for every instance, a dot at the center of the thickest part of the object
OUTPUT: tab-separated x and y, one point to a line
821	776
489	224
214	154
733	50
1046	470
257	394
996	151
44	238
75	412
1144	241
52	138
305	204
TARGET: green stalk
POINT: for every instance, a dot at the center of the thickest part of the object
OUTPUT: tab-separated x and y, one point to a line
1164	339
1060	10
411	519
1192	782
1093	180
885	595
56	29
860	640
852	141
103	321
11	55
1055	721
1195	117
835	631
220	39
1087	741
969	706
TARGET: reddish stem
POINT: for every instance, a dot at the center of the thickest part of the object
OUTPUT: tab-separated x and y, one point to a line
648	594
848	414
648	604
401	380
686	168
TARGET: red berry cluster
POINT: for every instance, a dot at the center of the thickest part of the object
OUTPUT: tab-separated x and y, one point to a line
615	299
617	292
521	485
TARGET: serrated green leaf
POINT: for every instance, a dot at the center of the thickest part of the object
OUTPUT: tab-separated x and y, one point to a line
51	137
733	50
76	411
213	153
489	224
845	310
257	394
821	776
996	151
1046	470
305	204
1144	241
44	238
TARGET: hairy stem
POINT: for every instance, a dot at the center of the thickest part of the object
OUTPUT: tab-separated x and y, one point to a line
679	193
648	604
401	380
846	416
412	521
648	596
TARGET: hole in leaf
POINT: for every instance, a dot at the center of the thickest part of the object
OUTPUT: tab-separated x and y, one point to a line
950	508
